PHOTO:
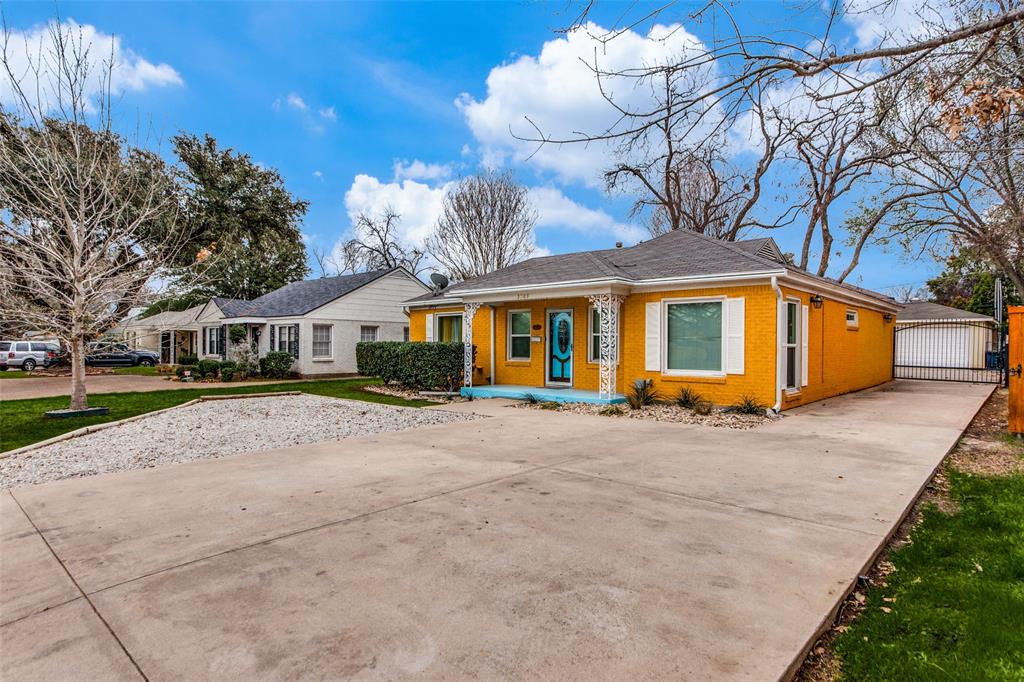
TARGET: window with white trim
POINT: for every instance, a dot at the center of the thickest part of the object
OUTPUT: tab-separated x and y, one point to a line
367	333
286	339
519	334
212	340
694	337
792	345
322	334
448	328
594	347
852	318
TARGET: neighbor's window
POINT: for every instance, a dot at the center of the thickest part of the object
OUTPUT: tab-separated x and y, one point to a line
405	333
694	336
449	328
852	318
286	339
519	335
212	339
368	333
322	340
594	350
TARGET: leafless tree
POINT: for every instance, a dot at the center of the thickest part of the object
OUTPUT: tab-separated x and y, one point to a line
678	170
967	165
951	43
375	245
486	224
326	262
78	207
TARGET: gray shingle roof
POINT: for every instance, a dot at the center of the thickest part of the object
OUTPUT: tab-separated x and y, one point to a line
926	310
677	254
231	307
299	298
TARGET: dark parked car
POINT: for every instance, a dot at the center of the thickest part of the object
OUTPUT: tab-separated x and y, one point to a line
28	355
103	354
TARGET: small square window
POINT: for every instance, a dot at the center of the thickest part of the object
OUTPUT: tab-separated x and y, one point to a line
368	333
852	318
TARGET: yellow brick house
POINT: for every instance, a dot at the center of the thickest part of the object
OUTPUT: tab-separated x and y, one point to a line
728	319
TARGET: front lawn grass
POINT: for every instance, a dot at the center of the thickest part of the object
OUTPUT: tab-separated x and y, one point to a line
954	607
15	374
22	421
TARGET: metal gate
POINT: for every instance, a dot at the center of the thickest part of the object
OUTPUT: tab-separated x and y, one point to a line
969	351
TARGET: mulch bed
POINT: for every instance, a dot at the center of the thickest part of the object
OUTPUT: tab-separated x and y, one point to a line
984	450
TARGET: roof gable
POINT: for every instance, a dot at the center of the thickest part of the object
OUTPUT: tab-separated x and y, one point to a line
299	298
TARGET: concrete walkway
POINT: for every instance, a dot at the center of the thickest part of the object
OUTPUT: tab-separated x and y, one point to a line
529	544
45	387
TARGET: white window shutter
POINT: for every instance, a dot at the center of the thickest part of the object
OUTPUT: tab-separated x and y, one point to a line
803	345
652	338
735	317
430	326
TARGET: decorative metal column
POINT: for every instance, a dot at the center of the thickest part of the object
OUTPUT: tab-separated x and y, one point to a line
607	306
467	342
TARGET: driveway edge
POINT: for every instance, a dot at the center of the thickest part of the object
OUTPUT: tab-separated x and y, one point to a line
826	622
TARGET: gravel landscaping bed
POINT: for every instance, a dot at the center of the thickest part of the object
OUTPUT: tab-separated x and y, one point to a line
661	413
213	429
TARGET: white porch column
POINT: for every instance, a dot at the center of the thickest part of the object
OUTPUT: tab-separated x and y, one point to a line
467	342
607	306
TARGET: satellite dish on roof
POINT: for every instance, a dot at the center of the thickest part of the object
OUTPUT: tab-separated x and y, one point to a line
439	280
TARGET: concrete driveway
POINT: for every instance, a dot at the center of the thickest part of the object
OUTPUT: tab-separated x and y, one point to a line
527	544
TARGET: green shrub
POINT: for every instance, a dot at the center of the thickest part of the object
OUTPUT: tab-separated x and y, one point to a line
531	399
412	364
276	364
181	369
747	404
688	398
703	407
228	370
642	393
188	360
237	333
550	405
612	411
207	369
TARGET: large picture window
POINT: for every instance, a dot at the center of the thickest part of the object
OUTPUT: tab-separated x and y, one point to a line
449	328
519	335
594	349
322	340
693	339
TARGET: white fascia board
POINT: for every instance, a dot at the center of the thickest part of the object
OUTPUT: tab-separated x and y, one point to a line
630	283
243	320
434	303
837	292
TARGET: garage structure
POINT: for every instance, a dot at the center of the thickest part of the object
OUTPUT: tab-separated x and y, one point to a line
941	343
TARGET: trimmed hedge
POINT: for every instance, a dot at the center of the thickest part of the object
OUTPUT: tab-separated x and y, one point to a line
188	359
412	364
276	364
208	369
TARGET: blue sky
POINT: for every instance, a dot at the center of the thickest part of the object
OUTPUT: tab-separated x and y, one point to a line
345	98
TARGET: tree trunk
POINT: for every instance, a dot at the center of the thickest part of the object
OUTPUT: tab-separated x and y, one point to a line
78	398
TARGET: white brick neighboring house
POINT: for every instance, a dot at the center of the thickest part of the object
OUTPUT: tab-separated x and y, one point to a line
318	321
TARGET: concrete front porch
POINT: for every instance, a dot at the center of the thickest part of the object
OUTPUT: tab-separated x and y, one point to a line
551	394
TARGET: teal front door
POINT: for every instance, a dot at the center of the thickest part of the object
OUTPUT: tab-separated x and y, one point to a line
560	347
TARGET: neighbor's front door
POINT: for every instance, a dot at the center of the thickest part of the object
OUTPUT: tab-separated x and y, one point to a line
559	347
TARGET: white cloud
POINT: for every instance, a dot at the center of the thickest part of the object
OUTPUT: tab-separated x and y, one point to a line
418	170
296	102
557	211
34	63
874	23
560	94
328	113
318	175
417	203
